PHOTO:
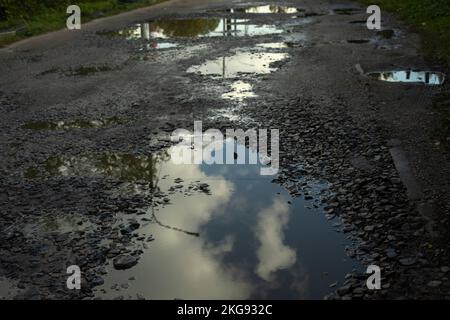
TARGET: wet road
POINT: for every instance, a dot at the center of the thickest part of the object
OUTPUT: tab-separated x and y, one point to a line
87	178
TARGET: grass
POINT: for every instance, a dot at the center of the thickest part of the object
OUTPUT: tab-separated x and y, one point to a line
52	19
430	18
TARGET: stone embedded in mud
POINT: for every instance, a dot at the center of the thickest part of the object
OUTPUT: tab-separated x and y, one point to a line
125	262
407	261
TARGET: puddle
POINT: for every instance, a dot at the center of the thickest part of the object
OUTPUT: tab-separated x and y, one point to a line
346	11
358	22
124	167
267	9
273	45
425	77
239	236
53	223
80	71
240	90
358	41
74	124
387	34
155	45
192	28
240	63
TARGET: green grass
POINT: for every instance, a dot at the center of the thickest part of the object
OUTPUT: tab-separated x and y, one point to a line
55	19
430	18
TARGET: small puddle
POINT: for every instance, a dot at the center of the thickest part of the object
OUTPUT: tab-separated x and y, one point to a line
346	11
386	34
240	90
156	45
358	41
56	224
425	77
273	45
193	28
124	167
229	233
240	63
80	70
74	124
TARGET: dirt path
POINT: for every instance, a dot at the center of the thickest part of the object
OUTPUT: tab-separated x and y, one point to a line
83	110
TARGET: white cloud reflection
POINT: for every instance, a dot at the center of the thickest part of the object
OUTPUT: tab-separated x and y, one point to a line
273	254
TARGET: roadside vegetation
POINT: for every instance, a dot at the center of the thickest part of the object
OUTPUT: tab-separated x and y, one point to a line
21	19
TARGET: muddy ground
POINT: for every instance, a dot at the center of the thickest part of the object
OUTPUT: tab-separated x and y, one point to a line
82	110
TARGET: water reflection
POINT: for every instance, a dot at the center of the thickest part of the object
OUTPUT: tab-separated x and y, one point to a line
252	242
273	254
240	62
271	9
191	28
425	77
240	90
273	45
124	167
261	9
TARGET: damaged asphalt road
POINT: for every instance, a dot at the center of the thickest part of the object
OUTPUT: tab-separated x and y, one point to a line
86	124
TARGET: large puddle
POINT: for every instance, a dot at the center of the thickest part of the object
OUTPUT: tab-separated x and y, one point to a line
226	232
409	76
219	231
192	28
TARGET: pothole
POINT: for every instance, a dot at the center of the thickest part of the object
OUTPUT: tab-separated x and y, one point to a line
409	76
194	28
346	11
56	224
240	63
242	236
123	167
263	9
387	34
358	41
80	70
273	45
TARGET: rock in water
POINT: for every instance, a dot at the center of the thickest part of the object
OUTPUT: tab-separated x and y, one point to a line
124	262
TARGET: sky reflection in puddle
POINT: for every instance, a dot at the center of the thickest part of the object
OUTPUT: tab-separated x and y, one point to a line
425	77
267	9
240	90
245	241
239	63
183	28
